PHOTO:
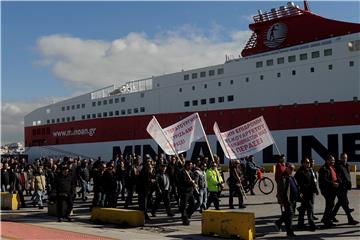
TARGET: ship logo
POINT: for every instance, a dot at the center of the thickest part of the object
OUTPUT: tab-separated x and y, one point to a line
275	35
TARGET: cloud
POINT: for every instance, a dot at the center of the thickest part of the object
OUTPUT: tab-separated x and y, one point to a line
86	64
12	118
89	64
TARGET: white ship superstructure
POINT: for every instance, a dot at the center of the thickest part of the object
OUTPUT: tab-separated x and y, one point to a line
305	82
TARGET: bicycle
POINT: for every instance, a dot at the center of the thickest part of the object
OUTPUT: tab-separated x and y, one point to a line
265	184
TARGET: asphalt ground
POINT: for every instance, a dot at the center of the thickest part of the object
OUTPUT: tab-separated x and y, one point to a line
33	223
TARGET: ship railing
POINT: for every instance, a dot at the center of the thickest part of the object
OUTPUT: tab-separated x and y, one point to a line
283	11
121	89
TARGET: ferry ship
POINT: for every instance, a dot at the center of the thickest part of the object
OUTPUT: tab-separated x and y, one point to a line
298	70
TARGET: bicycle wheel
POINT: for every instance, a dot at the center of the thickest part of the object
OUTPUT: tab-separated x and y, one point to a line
266	185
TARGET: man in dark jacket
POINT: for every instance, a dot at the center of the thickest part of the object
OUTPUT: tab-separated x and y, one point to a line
287	195
162	191
186	190
235	184
147	181
343	173
109	186
65	187
307	185
328	184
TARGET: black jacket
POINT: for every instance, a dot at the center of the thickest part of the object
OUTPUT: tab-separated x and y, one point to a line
306	181
64	184
325	181
343	173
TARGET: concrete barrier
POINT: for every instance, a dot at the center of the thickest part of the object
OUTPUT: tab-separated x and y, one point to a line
125	217
9	201
357	181
230	224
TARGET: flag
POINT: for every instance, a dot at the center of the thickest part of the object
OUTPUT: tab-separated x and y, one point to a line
179	136
246	139
157	133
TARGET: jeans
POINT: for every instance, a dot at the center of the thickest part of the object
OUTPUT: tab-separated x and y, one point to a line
38	197
202	199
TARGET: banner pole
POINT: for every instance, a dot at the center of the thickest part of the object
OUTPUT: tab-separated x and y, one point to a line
268	130
207	142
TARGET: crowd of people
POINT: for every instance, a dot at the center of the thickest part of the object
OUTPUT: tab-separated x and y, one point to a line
333	180
191	185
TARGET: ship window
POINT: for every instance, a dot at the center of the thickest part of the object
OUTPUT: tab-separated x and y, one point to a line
312	69
99	103
111	101
231	82
220	99
82	117
117	113
261	77
93	115
180	89
195	102
280	60
136	110
186	77
328	52
354	45
52	120
351	63
78	106
58	120
105	102
194	75
220	71
105	114
111	114
230	98
67	107
303	56
259	64
116	100
48	121
193	88
186	103
202	74
129	111
292	58
315	54
203	101
211	72
142	94
219	84
62	108
123	99
88	116
93	104
83	105
247	79
73	118
142	109
99	115
211	100
123	112
63	119
68	119
269	62
278	74
293	72
330	66
205	85
72	107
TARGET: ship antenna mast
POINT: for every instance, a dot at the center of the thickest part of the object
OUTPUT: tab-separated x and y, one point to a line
306	6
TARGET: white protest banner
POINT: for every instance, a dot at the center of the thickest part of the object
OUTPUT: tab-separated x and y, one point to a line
246	139
177	137
156	132
184	132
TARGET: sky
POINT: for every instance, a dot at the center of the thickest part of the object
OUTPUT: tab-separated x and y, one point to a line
56	50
